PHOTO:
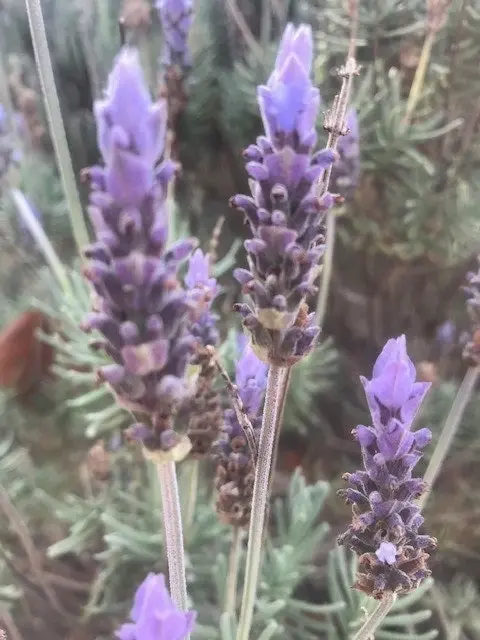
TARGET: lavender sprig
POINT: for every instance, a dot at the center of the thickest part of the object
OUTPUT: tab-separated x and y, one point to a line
386	518
284	213
140	306
176	17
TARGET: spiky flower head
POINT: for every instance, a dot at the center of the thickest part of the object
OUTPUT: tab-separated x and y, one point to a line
139	307
472	348
386	519
154	616
284	213
346	169
176	17
235	471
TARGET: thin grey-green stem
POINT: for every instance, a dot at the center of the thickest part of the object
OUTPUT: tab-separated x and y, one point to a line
449	430
54	115
172	521
327	267
193	472
283	395
376	617
270	425
41	239
335	123
233	567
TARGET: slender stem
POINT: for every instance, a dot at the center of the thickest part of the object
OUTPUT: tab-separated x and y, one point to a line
327	267
42	240
283	396
270	424
376	617
172	520
420	73
449	430
54	115
232	575
193	473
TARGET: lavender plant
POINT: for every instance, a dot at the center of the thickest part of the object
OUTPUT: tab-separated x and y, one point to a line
157	345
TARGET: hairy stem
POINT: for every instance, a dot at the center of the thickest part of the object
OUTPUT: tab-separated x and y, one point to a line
172	520
193	473
232	575
376	617
419	79
449	430
327	267
54	115
270	425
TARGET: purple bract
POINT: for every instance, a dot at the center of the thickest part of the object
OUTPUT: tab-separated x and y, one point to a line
176	17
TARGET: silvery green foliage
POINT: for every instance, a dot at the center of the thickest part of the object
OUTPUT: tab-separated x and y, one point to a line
457	605
407	620
122	525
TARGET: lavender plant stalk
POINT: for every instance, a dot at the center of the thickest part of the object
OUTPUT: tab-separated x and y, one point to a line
285	216
346	169
139	305
386	517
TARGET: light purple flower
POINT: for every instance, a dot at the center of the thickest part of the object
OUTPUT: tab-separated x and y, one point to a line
284	212
201	290
154	616
140	307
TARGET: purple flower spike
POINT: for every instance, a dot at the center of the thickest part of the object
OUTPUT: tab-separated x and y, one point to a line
141	308
176	17
235	471
154	616
383	495
346	169
285	216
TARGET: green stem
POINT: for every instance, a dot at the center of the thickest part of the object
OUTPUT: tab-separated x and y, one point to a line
376	617
327	267
54	115
232	575
270	424
41	239
419	79
172	520
193	473
449	430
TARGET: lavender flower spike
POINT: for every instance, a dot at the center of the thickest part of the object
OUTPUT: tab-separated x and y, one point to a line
176	17
205	409
386	518
140	307
154	616
284	214
235	471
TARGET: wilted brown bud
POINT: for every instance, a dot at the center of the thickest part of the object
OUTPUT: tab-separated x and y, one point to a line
437	11
136	14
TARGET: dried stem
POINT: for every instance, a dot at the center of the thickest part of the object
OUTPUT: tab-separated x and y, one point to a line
449	430
237	404
172	520
233	567
419	79
270	424
54	115
335	124
376	617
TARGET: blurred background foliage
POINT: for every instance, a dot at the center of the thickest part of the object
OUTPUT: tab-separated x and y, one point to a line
81	521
